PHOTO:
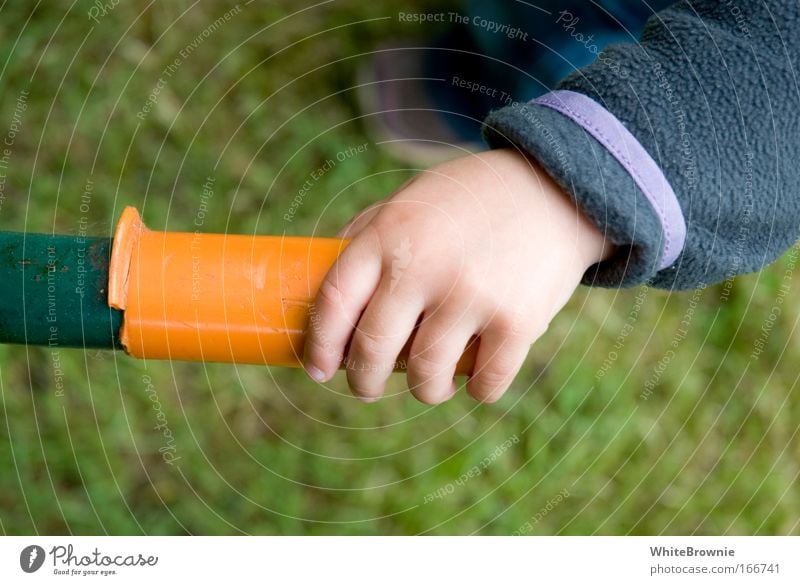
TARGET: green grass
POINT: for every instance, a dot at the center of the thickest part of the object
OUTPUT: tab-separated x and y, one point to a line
712	449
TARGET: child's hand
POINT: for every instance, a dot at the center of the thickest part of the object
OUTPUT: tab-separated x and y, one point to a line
485	245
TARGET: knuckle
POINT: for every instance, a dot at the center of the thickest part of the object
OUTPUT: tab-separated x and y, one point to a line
316	348
490	383
472	282
510	322
330	293
494	378
394	214
368	345
319	346
424	366
505	324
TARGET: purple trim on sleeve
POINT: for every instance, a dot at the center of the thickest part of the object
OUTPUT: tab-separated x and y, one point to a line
613	135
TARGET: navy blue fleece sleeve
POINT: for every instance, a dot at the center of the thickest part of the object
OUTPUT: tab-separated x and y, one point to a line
683	148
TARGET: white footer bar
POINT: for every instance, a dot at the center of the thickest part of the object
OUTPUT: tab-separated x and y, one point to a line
401	560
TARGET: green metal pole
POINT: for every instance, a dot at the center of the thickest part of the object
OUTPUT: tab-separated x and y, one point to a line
54	291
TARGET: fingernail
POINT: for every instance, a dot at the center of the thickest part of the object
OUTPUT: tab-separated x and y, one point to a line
368	399
316	374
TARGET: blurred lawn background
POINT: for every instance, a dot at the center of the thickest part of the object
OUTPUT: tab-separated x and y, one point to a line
258	105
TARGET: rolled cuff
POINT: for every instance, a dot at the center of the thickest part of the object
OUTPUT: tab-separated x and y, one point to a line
609	175
612	134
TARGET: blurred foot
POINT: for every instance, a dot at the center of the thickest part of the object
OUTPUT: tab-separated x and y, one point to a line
406	111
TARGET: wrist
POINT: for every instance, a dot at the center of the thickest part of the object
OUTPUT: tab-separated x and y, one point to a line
588	242
594	245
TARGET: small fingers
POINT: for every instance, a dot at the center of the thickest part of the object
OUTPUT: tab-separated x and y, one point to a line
500	357
344	293
436	349
382	332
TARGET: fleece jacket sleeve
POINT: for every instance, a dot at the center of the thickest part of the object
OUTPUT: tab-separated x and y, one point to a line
684	148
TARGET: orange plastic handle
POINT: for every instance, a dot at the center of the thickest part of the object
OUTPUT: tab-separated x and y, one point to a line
218	297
